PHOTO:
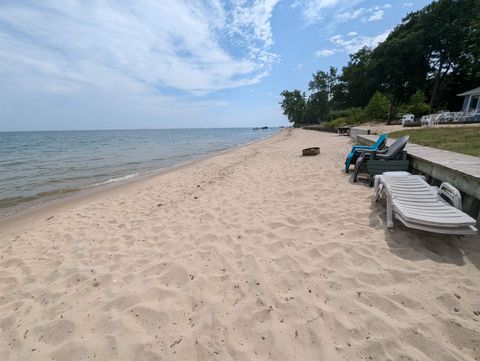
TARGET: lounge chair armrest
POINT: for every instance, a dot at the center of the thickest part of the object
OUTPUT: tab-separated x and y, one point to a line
382	156
359	147
367	154
451	193
401	156
368	151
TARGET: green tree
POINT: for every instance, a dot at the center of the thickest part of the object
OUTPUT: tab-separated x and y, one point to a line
378	106
317	108
324	82
294	106
434	50
429	47
449	28
417	105
356	84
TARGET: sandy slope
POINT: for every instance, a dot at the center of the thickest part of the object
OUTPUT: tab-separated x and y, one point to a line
256	254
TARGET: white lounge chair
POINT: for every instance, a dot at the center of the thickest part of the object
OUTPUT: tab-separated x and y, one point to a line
426	120
430	120
457	116
407	119
418	205
434	119
445	116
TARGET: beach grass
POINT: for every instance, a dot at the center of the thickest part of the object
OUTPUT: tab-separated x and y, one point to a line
464	140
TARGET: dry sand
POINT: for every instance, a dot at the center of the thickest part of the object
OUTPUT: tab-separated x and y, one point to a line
255	254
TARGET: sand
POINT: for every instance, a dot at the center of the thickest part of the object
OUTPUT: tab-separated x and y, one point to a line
254	254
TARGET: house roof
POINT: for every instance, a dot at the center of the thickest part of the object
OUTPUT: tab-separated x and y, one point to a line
475	91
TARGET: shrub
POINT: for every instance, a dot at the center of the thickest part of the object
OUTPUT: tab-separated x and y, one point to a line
357	116
419	109
378	106
417	105
349	116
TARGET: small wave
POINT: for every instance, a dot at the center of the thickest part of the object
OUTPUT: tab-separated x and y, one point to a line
14	201
111	180
9	202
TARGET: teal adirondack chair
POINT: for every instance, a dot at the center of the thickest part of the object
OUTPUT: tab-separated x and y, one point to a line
357	149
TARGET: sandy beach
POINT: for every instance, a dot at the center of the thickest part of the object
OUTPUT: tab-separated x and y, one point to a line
253	254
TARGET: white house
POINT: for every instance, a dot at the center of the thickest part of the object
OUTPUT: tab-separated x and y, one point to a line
471	104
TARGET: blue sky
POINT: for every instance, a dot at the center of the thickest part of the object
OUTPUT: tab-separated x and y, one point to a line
114	64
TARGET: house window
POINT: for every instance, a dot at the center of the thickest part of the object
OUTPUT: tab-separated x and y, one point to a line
473	102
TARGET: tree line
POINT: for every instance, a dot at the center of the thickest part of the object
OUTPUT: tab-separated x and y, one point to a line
430	57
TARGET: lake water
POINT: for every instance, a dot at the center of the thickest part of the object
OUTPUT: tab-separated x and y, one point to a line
38	166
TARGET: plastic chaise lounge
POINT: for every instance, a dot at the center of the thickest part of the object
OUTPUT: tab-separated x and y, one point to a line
377	162
418	205
357	149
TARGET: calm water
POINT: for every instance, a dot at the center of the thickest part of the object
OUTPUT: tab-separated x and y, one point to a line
37	166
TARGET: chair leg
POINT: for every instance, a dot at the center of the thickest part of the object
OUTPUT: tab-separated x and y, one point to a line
376	184
378	190
389	213
358	166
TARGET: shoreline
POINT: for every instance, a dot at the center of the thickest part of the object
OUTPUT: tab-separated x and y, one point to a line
36	212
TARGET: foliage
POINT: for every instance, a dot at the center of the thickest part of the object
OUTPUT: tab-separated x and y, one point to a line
350	116
459	139
432	55
357	115
317	108
377	107
293	105
324	82
417	105
355	85
433	49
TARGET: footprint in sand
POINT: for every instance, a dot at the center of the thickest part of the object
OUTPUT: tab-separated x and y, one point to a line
54	332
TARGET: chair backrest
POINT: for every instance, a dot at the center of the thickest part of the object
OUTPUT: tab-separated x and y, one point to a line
397	147
382	139
407	118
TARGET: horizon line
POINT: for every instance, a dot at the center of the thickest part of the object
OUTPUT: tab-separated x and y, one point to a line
121	129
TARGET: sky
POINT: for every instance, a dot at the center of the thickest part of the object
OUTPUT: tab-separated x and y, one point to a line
118	64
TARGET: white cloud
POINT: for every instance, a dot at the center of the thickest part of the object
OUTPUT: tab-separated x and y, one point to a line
324	53
194	47
351	15
377	15
316	10
407	5
353	44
